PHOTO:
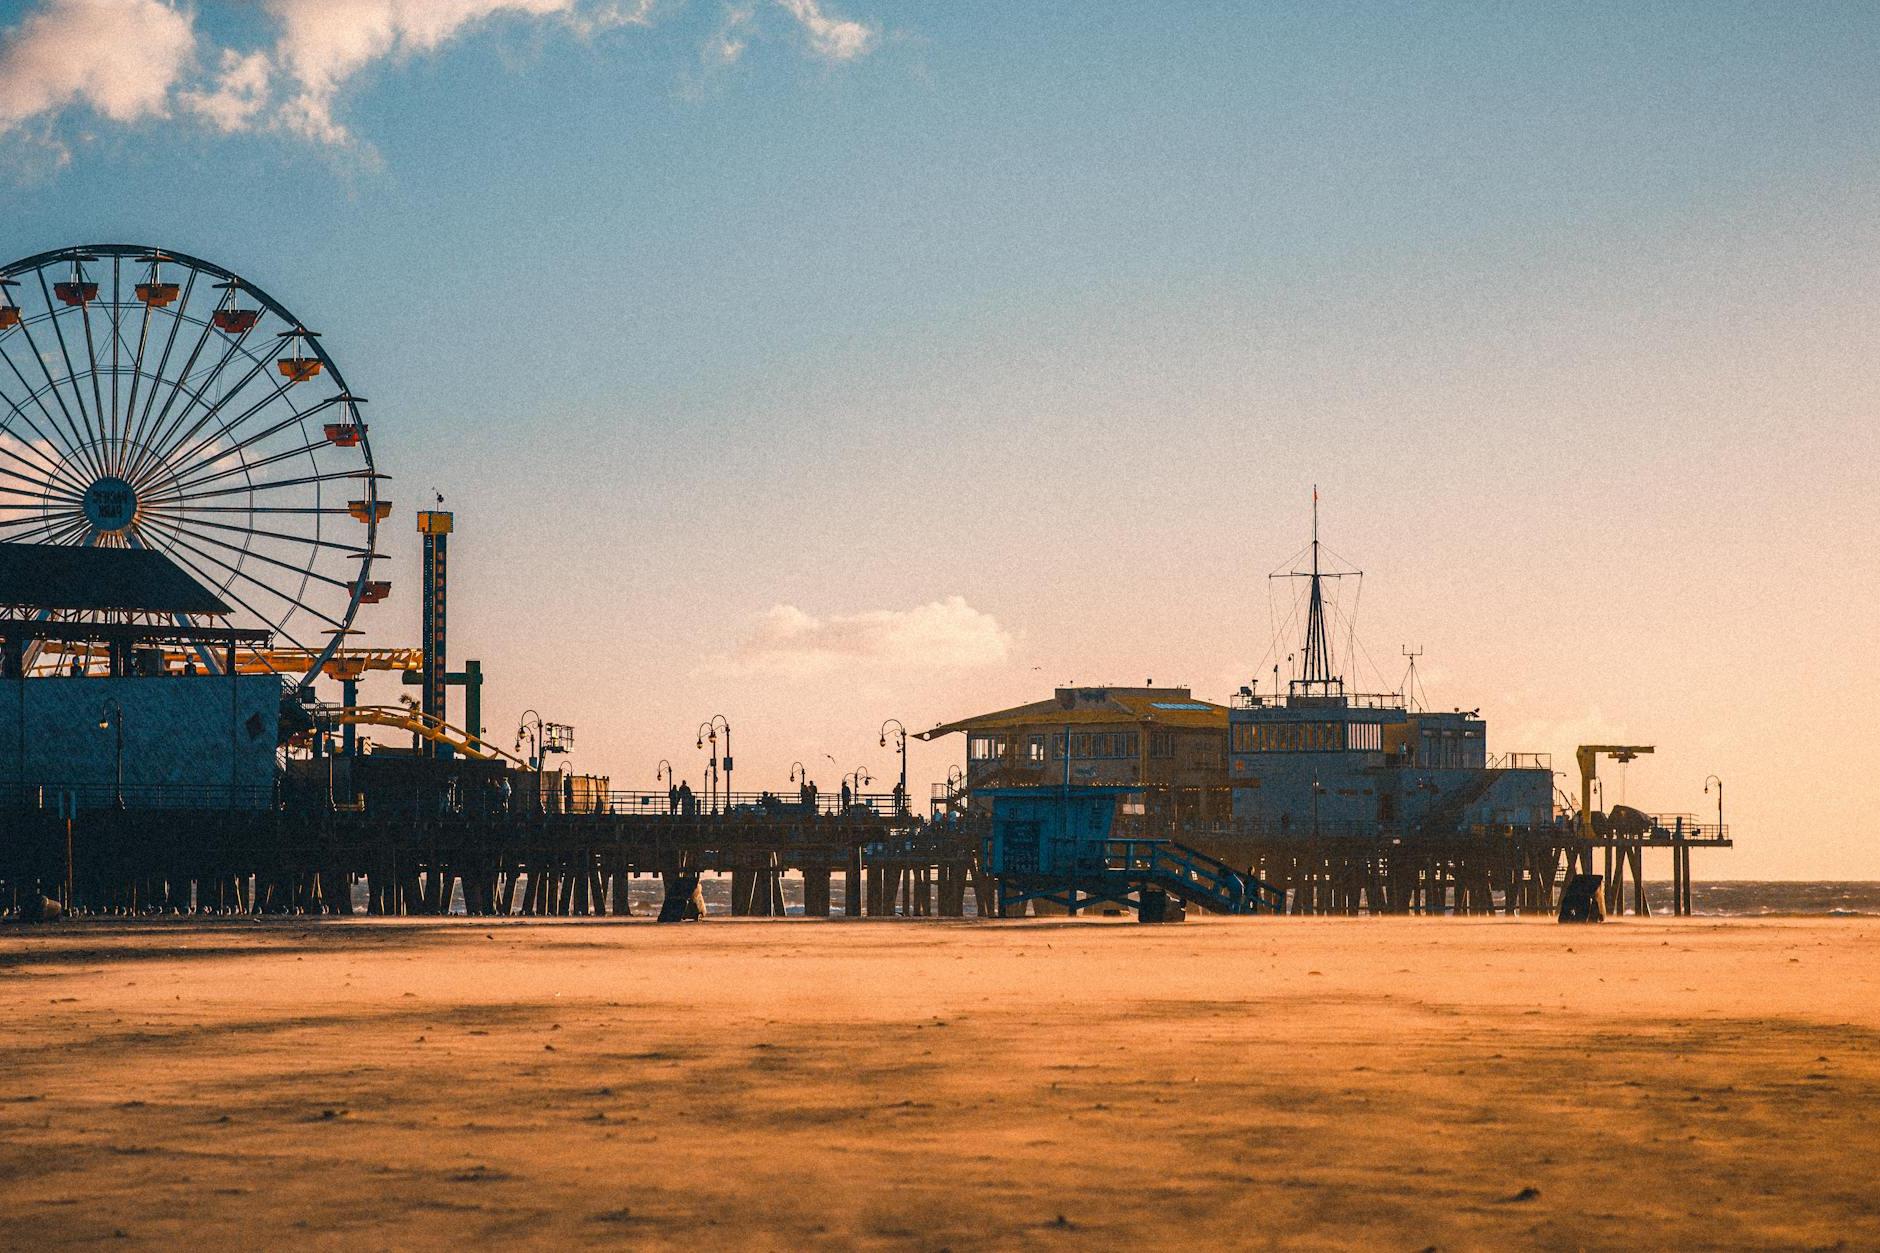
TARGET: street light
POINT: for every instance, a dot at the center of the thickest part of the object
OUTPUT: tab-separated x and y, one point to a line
109	717
858	777
532	732
1719	782
709	731
665	767
900	804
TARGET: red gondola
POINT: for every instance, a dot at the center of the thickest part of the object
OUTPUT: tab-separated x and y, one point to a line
344	434
374	592
9	316
298	369
235	321
76	293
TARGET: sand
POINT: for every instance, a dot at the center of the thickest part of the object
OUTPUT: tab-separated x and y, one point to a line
1396	1083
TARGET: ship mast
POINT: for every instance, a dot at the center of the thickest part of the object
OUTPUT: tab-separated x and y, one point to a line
1318	650
1319	678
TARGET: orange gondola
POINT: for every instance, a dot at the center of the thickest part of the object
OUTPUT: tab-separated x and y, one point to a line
374	592
369	512
157	295
344	434
76	293
298	369
9	316
233	321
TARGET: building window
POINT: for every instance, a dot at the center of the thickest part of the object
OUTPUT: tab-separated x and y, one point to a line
1162	743
985	747
1034	749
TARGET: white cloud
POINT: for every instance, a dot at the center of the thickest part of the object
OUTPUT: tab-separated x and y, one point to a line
130	59
835	38
942	635
323	43
238	94
120	58
727	44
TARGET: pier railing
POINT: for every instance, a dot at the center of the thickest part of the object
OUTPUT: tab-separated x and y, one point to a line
61	797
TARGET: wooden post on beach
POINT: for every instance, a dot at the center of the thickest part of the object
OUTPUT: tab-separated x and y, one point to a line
816	891
852	884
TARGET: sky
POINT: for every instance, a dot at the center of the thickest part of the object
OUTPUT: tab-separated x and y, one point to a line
816	362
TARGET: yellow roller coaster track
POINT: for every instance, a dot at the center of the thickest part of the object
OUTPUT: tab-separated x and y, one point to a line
418	723
347	663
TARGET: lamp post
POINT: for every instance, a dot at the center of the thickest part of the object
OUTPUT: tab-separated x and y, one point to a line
532	732
708	730
857	777
1719	782
111	717
900	803
665	768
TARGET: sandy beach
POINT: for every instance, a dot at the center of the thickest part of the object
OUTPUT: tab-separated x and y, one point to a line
1394	1083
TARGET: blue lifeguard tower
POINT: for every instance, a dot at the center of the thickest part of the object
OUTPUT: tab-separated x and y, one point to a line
1055	844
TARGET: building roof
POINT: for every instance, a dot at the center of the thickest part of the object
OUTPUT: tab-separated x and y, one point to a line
1173	707
128	580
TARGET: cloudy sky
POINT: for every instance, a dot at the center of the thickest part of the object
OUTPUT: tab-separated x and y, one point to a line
819	361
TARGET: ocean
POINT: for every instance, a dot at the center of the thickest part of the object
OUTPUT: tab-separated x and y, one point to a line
1751	898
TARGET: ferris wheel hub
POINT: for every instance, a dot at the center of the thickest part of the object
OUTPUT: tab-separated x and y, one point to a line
111	504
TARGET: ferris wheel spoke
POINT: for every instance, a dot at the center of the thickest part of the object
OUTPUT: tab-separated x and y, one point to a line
311	541
189	528
38	399
71	376
76	446
156	426
167	437
271	486
225	588
177	436
61	494
54	530
117	315
58	470
156	379
248	467
294	416
329	509
237	572
57	479
103	421
137	379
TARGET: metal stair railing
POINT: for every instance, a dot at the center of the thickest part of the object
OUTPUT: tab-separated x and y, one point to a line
1190	874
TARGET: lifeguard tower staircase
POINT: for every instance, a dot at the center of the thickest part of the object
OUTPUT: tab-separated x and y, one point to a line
1054	844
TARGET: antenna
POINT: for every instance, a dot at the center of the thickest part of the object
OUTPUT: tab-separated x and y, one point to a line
1410	684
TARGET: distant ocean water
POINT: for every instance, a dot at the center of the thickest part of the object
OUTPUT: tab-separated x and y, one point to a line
1754	898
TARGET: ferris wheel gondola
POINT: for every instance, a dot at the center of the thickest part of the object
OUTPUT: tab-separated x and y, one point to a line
150	399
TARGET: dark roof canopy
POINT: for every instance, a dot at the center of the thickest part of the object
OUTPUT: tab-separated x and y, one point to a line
129	580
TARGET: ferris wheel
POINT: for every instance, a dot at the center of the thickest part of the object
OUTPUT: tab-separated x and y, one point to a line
153	400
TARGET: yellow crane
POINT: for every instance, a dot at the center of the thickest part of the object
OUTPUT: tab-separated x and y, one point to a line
1588	756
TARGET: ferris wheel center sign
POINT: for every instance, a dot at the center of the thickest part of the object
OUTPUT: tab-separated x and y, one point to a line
110	504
